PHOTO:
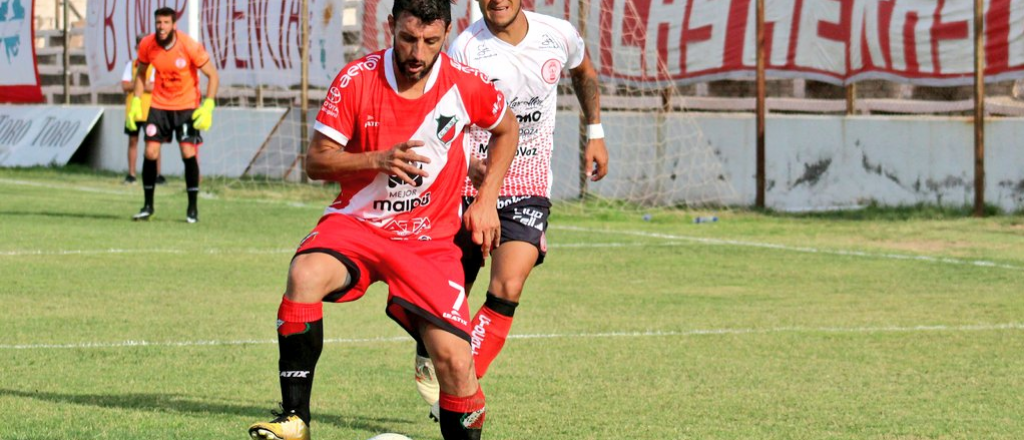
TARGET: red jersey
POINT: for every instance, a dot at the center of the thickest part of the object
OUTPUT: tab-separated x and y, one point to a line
364	112
177	81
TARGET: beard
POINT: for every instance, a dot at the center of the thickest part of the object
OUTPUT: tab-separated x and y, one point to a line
404	67
164	42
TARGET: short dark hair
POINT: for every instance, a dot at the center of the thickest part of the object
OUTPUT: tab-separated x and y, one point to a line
426	10
166	12
139	38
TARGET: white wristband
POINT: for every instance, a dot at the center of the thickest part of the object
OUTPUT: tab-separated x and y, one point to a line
595	131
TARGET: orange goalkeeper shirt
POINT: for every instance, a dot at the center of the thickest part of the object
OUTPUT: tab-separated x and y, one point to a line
177	78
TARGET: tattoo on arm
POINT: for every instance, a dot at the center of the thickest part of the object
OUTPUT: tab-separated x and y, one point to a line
588	92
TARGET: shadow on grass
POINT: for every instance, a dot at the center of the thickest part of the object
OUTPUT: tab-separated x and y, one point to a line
189	406
79	215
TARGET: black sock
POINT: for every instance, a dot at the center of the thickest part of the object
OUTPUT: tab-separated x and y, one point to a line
500	306
421	349
148	179
191	181
462	418
299	355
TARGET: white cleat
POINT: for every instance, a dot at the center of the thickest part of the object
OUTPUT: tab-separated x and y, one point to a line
426	381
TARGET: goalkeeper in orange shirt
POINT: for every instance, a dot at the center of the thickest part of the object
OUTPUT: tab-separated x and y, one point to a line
175	109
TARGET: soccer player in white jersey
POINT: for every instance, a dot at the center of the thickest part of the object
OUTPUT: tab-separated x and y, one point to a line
390	131
523	54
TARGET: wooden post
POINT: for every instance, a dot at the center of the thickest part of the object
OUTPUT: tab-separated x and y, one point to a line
760	110
851	99
304	92
67	53
584	11
979	109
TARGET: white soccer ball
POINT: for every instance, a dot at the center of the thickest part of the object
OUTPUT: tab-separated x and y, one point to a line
390	436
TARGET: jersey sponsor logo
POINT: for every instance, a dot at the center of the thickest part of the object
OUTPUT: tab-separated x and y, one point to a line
551	71
395	181
464	68
333	95
517	104
180	63
529	217
402	205
504	202
368	63
446	128
526	151
407	227
534	116
483	52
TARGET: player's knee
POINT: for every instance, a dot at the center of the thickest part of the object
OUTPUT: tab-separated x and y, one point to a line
508	289
310	278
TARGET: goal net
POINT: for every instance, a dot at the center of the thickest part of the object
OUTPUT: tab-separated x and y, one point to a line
658	155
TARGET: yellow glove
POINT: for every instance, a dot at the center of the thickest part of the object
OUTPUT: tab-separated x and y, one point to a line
202	118
134	112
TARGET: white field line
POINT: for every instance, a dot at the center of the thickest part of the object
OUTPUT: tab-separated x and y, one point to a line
1012	326
704	240
801	249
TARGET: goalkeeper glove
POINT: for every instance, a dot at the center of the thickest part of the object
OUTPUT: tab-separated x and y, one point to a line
134	113
202	118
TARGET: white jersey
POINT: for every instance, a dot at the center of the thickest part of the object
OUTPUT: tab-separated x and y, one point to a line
528	75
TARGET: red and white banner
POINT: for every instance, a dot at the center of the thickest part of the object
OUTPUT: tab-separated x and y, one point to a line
19	81
111	29
647	43
653	42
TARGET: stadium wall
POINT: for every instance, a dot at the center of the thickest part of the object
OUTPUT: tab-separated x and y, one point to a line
813	162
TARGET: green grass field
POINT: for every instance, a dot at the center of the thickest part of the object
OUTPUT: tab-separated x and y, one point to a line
881	324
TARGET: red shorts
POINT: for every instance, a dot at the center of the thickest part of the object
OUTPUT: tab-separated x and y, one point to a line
424	278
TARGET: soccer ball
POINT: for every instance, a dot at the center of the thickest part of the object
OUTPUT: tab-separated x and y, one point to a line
390	436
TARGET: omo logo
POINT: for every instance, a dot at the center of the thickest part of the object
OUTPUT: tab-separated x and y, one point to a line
394	181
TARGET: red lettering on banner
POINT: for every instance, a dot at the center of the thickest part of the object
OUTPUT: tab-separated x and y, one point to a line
954	30
997	36
690	35
236	15
910	43
885	12
605	20
214	41
734	39
109	53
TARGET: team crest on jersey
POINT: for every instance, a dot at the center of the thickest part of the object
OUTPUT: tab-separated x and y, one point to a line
551	71
446	128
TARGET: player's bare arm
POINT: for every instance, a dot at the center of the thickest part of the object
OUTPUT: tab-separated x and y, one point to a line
481	218
588	93
214	79
139	87
328	160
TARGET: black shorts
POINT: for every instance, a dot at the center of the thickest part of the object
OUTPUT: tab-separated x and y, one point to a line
162	124
522	219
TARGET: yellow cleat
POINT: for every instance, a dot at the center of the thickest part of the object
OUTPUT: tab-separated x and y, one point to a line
284	427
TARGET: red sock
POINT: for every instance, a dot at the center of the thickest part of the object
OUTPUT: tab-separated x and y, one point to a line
490	329
294	317
462	418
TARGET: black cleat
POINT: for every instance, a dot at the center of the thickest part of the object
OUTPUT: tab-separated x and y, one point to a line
192	216
160	180
129	180
144	214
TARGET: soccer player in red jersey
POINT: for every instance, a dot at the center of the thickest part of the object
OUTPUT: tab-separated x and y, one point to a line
175	109
390	131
